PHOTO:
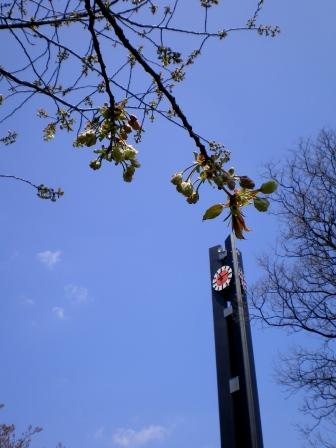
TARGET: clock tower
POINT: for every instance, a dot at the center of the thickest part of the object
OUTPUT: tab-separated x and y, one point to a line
239	415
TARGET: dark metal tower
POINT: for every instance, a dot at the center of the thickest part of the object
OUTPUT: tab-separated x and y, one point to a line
239	415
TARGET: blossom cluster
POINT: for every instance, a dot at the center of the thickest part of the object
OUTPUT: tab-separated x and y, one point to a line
211	169
112	128
240	190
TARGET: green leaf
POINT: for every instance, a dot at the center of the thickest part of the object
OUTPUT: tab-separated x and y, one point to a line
213	211
269	187
261	204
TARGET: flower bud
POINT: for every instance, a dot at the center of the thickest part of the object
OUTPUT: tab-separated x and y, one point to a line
187	188
127	128
95	164
105	128
200	159
261	204
135	163
105	112
127	177
246	182
130	152
90	138
117	112
87	138
231	184
176	179
128	173
118	153
179	188
193	198
269	187
134	123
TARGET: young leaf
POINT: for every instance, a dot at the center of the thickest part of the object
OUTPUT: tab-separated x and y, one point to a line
213	211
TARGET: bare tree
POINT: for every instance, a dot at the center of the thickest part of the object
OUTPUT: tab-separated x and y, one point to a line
298	291
9	438
118	74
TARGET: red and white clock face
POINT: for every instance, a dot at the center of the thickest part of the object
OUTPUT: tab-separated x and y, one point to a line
222	278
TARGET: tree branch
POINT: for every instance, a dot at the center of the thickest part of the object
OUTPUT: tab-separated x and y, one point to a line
120	34
38	23
36	88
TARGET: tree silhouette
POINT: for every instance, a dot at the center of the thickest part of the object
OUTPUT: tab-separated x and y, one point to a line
298	290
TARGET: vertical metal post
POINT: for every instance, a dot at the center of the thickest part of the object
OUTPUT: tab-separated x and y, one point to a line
239	414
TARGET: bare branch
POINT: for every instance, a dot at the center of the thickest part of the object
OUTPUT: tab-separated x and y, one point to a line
120	34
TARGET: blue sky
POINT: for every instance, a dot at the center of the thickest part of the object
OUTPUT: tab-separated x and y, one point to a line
106	322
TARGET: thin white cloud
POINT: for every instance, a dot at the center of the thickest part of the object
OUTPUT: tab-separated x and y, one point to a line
59	312
130	438
77	294
27	301
99	433
49	258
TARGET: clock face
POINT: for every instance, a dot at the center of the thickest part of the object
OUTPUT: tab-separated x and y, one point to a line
222	278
